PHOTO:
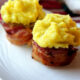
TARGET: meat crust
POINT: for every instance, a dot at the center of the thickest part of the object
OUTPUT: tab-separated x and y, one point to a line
18	34
52	56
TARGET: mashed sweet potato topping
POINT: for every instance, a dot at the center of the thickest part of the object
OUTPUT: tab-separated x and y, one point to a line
56	31
21	11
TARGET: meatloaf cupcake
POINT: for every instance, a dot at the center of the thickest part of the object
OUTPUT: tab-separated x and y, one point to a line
18	18
54	40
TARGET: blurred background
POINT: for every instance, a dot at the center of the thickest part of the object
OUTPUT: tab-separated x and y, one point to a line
71	7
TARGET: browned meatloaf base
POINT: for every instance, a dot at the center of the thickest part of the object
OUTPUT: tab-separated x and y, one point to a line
53	56
18	34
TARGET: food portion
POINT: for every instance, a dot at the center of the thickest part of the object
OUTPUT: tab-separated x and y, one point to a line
21	11
53	56
54	39
18	34
56	31
18	19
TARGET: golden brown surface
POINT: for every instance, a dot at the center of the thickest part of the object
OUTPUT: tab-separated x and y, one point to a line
18	34
57	58
19	43
21	38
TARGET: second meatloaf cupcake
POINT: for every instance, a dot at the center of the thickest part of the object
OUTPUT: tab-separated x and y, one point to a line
18	18
54	39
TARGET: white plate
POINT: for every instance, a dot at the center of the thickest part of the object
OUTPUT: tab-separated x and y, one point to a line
16	64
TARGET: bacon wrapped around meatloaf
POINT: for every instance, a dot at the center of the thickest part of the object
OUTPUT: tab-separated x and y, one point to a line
18	34
53	56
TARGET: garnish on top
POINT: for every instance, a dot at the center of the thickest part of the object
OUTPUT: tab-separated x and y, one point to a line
21	11
56	31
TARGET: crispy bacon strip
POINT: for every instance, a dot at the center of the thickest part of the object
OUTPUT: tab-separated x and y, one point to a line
53	56
18	34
